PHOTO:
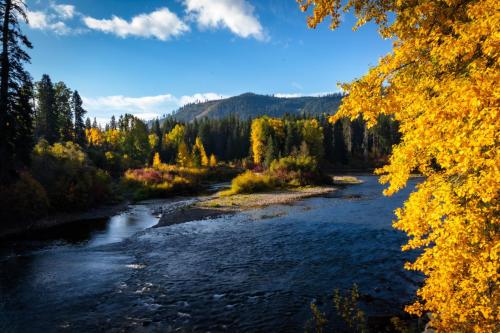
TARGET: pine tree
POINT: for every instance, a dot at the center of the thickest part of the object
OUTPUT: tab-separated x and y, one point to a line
94	123
47	125
79	112
14	82
63	111
271	152
23	139
112	124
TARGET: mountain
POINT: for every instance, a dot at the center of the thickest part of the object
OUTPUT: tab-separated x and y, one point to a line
251	105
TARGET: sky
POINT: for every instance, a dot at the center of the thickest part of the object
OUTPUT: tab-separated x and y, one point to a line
149	57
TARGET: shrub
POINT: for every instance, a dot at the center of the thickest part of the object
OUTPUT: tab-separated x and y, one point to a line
163	181
23	201
250	182
295	170
71	183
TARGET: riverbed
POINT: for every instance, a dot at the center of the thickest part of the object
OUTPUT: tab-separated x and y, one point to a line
251	271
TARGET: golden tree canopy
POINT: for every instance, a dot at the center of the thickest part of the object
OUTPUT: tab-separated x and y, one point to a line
440	82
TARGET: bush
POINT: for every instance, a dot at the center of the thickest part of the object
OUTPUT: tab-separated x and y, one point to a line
71	183
163	181
23	201
295	170
250	182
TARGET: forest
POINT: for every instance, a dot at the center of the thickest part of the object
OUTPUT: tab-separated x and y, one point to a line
76	163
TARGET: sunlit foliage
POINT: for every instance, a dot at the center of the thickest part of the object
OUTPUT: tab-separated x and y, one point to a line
199	155
441	83
94	136
183	155
250	182
66	174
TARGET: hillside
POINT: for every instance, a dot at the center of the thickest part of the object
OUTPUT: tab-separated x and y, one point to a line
251	105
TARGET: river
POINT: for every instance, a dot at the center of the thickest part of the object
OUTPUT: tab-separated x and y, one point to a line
253	271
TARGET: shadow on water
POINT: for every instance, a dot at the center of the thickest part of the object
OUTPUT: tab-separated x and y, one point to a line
254	271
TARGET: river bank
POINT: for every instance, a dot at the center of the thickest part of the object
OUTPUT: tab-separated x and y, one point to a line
64	219
217	205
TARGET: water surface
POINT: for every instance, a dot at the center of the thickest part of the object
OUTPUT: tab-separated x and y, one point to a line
253	271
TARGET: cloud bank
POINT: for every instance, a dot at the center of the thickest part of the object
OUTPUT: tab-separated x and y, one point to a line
235	15
161	24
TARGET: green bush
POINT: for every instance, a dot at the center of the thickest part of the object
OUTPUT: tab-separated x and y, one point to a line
23	201
296	170
69	179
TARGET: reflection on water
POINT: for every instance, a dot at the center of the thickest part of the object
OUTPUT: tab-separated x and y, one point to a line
254	271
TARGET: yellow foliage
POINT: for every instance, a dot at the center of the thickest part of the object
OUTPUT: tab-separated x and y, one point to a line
199	151
183	156
440	82
261	129
250	182
213	161
153	140
176	136
113	137
94	136
157	161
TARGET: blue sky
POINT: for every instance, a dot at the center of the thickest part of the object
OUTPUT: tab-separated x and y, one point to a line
149	57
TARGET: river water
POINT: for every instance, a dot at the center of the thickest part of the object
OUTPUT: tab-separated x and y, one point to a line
249	272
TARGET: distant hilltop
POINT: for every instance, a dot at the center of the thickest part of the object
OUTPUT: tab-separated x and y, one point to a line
251	105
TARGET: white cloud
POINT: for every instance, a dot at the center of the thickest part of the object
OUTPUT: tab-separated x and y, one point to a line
285	95
236	15
196	98
43	21
147	107
65	12
162	24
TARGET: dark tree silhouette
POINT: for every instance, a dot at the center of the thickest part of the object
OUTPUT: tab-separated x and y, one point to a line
14	83
46	125
79	112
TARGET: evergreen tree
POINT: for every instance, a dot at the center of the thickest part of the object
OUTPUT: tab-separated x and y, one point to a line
47	119
88	123
63	111
339	145
23	139
94	123
14	83
112	124
79	112
271	152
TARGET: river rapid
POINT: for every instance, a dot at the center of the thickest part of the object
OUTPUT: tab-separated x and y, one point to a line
255	271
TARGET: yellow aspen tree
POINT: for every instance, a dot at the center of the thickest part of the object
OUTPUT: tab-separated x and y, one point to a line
262	128
441	83
94	136
176	136
213	161
183	155
157	161
199	149
258	137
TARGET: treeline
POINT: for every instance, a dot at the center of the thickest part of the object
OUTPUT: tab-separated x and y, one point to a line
344	144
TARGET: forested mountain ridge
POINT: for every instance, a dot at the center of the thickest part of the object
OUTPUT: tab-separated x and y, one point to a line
251	105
